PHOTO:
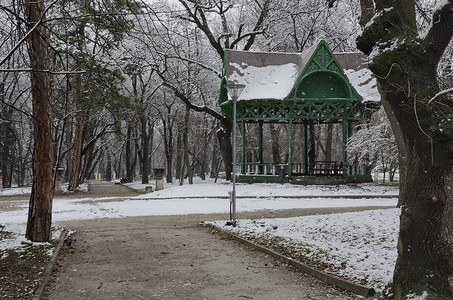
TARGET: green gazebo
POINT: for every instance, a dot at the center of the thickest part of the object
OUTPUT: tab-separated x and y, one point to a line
315	87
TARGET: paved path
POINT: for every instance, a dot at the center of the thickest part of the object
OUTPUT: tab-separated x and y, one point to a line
172	257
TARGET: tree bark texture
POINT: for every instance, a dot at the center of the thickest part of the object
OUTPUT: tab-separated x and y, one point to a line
40	208
405	65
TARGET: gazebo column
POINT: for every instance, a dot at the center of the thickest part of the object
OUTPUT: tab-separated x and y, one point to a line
290	147
243	146
306	148
260	147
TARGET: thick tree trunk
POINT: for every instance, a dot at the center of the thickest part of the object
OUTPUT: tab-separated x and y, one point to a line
40	208
405	65
425	244
425	241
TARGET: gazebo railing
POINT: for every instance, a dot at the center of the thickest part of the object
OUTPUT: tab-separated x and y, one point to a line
263	169
332	168
320	168
328	168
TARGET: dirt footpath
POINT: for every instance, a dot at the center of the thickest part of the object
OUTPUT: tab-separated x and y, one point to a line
172	258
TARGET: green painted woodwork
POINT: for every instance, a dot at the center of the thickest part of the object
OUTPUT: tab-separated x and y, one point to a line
333	110
323	85
321	94
323	78
290	148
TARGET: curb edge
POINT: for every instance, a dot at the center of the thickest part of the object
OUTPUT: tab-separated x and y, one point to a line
49	267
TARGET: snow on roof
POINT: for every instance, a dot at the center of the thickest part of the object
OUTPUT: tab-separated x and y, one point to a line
355	67
271	75
265	74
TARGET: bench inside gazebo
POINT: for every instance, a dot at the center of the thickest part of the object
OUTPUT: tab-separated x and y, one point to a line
300	92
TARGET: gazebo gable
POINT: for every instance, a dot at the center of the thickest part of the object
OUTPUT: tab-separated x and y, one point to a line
323	78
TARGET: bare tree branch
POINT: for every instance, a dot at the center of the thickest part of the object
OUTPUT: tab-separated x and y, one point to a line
40	21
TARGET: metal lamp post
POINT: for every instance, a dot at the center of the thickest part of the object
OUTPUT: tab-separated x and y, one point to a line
234	90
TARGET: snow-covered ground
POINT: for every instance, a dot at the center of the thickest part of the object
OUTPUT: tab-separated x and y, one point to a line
15	191
361	245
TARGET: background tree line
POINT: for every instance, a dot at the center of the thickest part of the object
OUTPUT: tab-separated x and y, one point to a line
135	85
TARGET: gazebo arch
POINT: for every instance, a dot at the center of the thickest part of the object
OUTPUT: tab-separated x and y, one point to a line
286	88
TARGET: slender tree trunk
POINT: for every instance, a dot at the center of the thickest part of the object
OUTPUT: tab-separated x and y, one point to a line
329	137
214	159
69	145
5	157
108	167
170	157
224	136
150	141
145	149
276	158
168	144
129	168
40	209
185	144
78	143
179	152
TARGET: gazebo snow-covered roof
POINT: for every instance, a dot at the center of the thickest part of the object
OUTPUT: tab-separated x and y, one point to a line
314	87
273	75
